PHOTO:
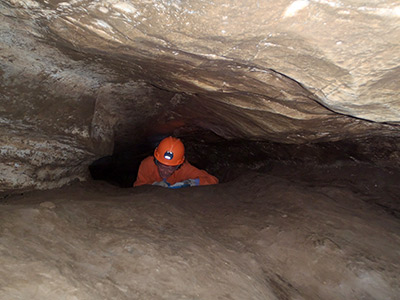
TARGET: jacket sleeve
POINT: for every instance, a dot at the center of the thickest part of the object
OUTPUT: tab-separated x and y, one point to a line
191	172
145	174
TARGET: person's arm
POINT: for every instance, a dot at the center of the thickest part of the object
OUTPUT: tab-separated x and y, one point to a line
144	175
204	178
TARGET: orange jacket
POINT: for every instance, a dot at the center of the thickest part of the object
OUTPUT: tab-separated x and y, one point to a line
148	174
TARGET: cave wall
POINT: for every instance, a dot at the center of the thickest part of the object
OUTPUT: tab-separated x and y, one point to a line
84	79
58	114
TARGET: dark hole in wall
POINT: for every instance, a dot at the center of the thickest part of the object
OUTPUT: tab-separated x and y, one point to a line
228	159
121	167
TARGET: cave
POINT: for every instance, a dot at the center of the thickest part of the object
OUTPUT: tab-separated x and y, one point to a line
293	105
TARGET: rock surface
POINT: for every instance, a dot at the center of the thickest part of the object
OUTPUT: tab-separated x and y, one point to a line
344	53
311	236
81	79
57	114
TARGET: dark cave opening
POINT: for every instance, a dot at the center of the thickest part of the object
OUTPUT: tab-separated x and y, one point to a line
228	159
121	167
359	164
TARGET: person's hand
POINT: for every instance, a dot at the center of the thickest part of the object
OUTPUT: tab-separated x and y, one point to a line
162	183
192	182
185	183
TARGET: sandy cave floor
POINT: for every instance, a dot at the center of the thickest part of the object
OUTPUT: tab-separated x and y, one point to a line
283	235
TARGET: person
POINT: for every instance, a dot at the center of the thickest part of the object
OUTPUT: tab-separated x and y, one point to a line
169	168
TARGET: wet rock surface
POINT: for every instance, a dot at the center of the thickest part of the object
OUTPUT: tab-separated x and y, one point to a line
299	234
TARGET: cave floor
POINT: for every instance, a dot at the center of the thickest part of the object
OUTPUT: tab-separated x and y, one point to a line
283	235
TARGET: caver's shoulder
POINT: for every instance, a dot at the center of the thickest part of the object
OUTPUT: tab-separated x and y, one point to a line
148	160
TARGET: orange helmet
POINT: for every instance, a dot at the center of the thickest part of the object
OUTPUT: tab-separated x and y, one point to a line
170	152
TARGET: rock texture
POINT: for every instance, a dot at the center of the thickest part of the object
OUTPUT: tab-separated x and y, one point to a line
344	53
58	114
80	78
291	239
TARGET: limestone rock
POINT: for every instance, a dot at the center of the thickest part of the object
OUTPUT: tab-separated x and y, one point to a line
345	53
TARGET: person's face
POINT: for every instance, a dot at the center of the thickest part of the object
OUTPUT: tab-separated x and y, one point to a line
165	171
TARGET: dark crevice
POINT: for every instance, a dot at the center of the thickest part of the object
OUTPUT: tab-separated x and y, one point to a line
228	159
